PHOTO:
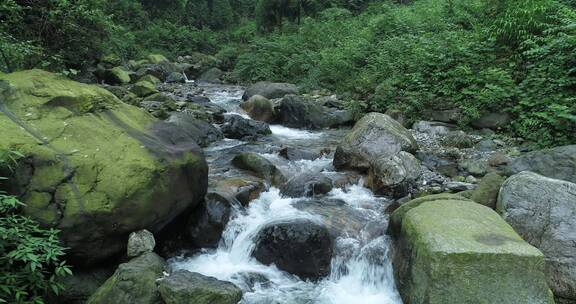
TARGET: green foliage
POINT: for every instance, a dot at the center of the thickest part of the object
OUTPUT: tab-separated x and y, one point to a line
31	257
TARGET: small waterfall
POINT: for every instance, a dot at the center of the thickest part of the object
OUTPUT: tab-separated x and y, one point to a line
361	271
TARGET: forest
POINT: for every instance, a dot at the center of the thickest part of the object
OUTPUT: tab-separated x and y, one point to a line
500	72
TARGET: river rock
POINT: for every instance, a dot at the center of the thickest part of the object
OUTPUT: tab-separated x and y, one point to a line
202	132
114	76
294	153
270	90
307	184
238	127
543	211
260	166
394	175
209	220
208	112
492	121
452	250
259	108
101	172
140	242
299	247
156	58
374	136
434	128
213	75
301	112
184	287
557	163
144	88
159	70
487	191
133	282
244	190
175	77
457	139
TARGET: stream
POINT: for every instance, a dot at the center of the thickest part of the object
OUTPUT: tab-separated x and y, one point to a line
361	271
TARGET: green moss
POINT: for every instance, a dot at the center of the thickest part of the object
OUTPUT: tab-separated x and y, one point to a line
156	58
38	205
149	78
487	191
463	252
144	88
121	75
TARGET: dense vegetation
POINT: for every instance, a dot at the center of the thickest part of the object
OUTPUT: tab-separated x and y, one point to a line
477	55
31	257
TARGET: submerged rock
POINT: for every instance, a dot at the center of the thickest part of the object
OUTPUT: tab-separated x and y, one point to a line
558	163
300	247
452	250
100	172
543	211
307	184
184	287
270	90
133	282
238	127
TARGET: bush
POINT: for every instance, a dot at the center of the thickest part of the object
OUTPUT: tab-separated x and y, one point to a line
30	256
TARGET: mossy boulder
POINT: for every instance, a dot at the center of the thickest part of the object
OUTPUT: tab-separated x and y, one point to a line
150	78
487	191
93	168
183	287
114	76
144	88
452	250
133	282
156	58
259	108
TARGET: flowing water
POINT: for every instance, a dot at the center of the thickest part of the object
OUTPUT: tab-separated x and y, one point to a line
361	271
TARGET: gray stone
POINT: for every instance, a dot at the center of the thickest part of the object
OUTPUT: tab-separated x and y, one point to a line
307	184
433	128
140	242
558	163
543	211
238	127
300	112
394	175
492	121
184	287
270	90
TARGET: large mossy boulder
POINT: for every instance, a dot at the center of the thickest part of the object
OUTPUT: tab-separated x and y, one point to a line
93	168
543	211
184	287
557	163
133	282
452	250
270	90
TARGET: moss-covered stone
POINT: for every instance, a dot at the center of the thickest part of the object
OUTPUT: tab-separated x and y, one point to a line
452	250
183	287
149	78
487	191
132	283
92	167
121	75
144	88
156	58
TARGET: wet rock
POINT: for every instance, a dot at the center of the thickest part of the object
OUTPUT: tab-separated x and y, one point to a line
201	131
337	216
299	247
433	128
492	121
160	70
259	108
144	88
543	211
459	186
300	112
487	145
238	127
208	221
260	166
487	191
175	77
183	287
243	190
499	160
443	164
292	153
270	90
457	139
107	192
208	112
213	75
557	163
307	184
133	282
198	99
477	168
394	175
447	116
452	250
374	136
140	242
156	58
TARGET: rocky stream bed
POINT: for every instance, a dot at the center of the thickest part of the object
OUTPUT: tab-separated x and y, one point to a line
265	195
